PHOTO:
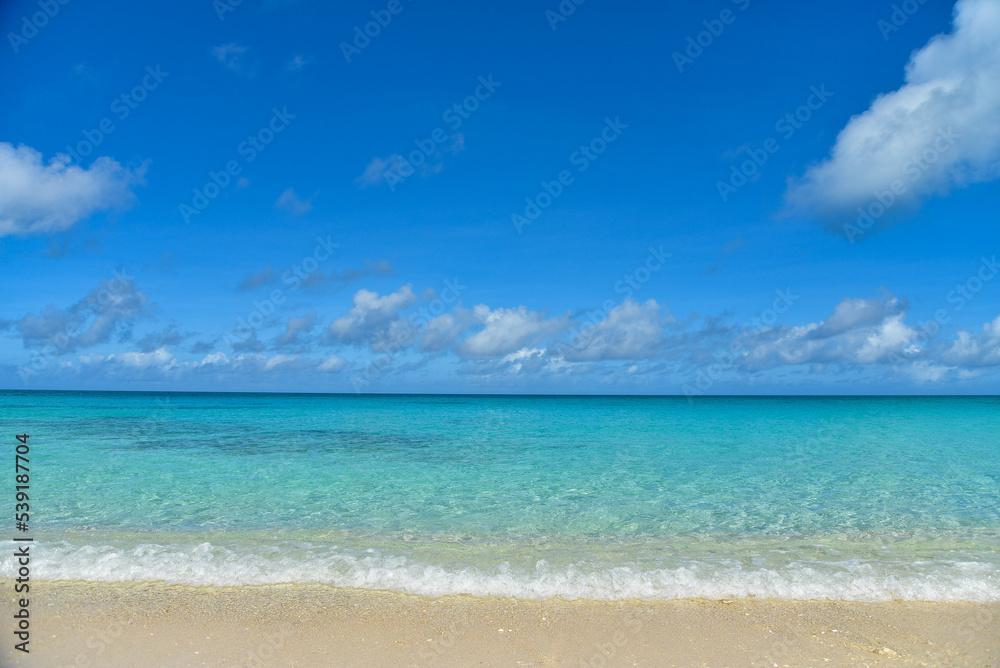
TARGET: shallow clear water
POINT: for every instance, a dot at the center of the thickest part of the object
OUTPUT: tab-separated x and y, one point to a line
597	497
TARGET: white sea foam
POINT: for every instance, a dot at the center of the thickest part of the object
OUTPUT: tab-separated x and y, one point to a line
208	564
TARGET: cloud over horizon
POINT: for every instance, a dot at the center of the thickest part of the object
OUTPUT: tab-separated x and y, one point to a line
499	345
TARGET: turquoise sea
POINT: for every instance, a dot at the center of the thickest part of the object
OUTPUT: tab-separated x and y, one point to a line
872	498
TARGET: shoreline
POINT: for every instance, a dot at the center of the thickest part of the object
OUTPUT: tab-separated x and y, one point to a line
132	624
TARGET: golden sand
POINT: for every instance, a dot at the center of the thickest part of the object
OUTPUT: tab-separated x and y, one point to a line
91	624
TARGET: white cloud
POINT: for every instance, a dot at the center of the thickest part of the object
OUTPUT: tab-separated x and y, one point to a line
213	359
975	350
521	362
161	358
398	334
859	332
926	372
332	364
372	315
249	364
444	330
507	330
852	313
630	331
278	360
244	364
292	203
890	336
159	363
938	131
40	198
864	338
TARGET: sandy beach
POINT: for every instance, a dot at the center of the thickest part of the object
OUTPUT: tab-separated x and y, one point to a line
99	624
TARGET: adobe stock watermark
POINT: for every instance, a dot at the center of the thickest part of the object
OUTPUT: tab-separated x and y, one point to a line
901	13
407	336
31	25
122	107
436	651
705	378
913	168
697	43
428	147
292	278
581	158
628	285
98	642
266	651
381	18
562	12
223	7
613	653
248	149
786	126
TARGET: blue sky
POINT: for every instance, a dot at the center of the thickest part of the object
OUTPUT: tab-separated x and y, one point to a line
668	198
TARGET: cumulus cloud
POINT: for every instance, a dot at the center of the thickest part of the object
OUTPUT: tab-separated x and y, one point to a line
219	358
161	365
523	361
249	364
113	307
853	313
332	364
373	318
939	131
157	364
160	358
858	332
444	330
631	331
277	360
975	350
292	203
41	198
634	343
399	334
507	330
